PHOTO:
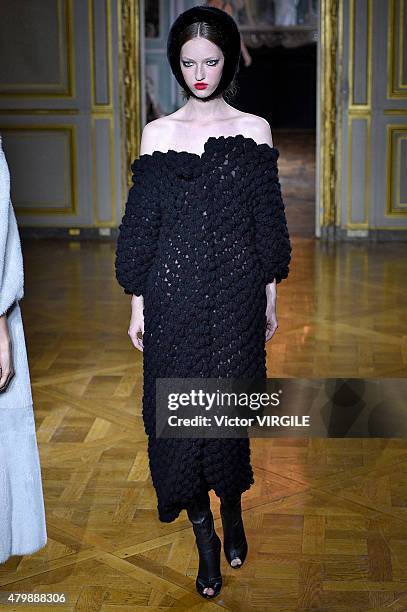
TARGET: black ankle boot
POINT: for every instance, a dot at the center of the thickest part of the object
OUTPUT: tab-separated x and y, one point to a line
209	547
234	538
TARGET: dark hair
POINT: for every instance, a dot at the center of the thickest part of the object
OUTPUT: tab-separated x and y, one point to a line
214	25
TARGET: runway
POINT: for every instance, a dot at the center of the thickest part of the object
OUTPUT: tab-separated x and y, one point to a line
326	519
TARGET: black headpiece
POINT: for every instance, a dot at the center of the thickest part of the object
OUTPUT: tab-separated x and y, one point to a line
230	45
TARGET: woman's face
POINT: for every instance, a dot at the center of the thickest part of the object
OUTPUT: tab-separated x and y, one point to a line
202	65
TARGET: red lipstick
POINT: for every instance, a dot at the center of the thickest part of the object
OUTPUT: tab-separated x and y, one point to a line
201	85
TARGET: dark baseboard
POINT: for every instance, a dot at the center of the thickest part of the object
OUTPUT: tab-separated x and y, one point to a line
328	234
68	233
339	234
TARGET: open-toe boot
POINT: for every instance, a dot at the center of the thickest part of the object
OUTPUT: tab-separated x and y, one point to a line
234	538
209	548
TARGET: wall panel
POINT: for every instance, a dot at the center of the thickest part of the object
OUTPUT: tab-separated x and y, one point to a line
61	115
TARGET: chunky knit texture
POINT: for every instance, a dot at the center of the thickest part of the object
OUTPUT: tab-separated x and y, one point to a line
200	238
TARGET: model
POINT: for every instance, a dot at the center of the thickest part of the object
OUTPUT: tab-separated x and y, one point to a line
202	244
22	517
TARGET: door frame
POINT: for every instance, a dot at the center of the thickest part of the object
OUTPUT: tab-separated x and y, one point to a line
328	121
329	70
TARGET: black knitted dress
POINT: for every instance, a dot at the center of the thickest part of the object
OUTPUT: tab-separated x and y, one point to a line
200	239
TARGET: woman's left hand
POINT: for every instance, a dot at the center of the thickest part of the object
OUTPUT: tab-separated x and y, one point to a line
272	323
271	316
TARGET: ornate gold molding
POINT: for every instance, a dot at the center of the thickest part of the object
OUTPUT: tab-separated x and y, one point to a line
328	76
131	80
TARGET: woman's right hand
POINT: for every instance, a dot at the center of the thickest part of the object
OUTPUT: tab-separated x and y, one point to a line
137	321
6	361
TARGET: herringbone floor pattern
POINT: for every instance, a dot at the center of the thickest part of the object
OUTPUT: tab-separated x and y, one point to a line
326	520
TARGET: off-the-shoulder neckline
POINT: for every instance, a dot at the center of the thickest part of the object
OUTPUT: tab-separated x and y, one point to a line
225	139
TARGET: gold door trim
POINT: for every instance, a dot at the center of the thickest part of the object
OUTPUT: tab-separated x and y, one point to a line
328	76
131	80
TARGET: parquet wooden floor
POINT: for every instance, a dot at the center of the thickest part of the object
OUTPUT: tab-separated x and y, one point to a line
326	520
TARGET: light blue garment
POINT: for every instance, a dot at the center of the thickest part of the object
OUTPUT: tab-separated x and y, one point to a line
22	515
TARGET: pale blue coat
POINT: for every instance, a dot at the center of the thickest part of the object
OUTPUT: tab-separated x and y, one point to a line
22	516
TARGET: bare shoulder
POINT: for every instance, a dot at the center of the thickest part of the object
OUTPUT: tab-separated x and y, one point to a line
257	128
155	135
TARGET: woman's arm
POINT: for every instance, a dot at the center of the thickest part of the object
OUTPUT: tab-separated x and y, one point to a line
273	244
138	236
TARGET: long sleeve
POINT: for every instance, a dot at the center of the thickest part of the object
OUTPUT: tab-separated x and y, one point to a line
272	239
139	229
11	259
